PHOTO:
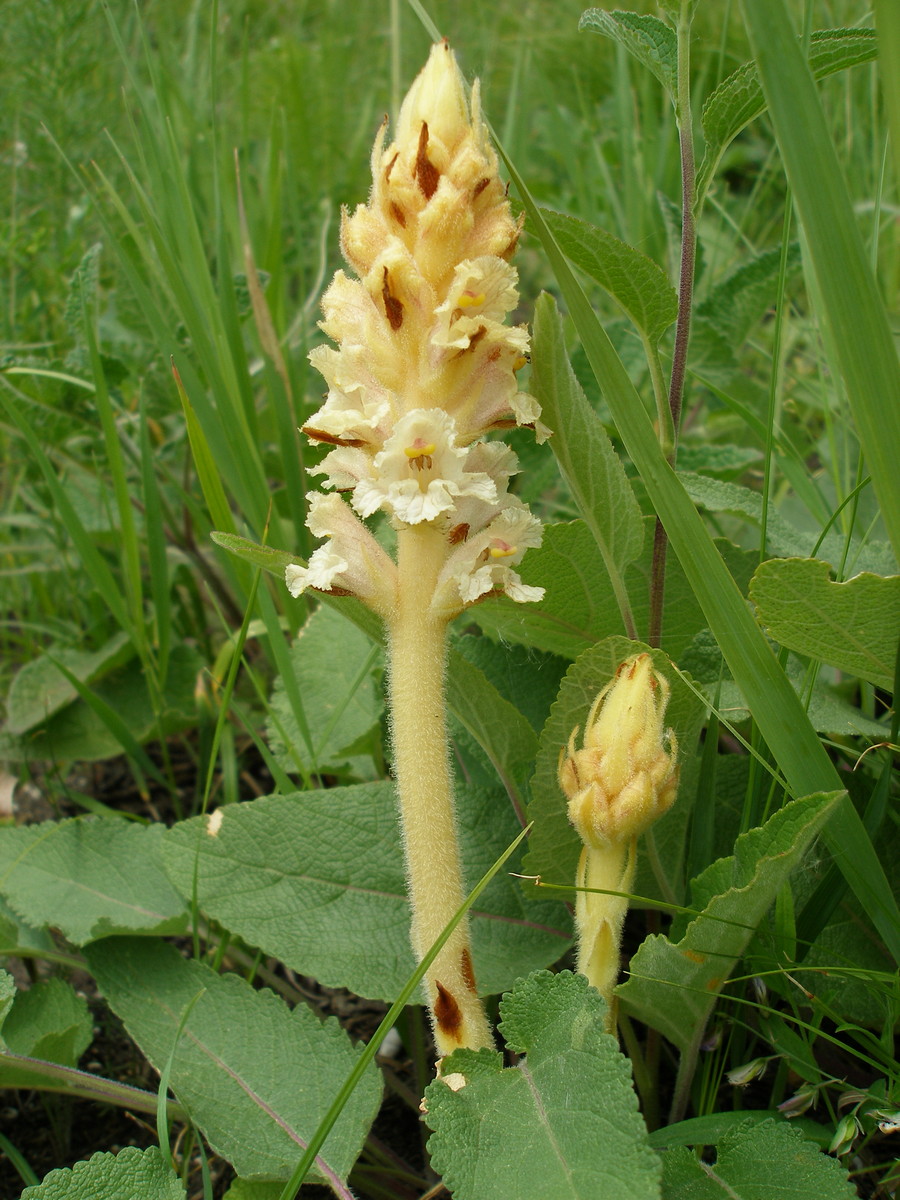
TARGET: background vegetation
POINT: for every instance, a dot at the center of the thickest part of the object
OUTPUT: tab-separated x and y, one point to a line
173	178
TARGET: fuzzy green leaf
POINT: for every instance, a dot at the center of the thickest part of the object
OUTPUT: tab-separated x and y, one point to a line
852	625
554	846
591	467
783	539
739	99
647	38
248	1189
335	667
79	732
580	609
90	878
17	934
634	281
766	1161
673	984
39	689
735	305
48	1021
497	725
255	1076
717	459
579	605
7	994
317	879
132	1173
509	1134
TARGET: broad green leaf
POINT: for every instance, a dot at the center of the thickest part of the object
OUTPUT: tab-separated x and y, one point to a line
132	1173
265	557
590	466
79	732
673	983
579	605
849	293
828	710
247	1189
17	934
767	1161
579	608
739	99
711	1129
717	458
7	994
335	667
512	1134
635	282
317	880
647	38
90	878
49	1021
254	1075
39	689
523	677
554	846
718	495
736	305
500	729
853	626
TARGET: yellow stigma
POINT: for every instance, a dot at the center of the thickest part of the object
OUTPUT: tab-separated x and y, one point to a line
500	549
418	448
469	299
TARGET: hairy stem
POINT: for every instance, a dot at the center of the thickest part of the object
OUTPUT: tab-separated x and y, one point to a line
600	914
425	787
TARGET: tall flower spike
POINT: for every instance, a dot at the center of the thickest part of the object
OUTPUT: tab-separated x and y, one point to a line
422	369
622	780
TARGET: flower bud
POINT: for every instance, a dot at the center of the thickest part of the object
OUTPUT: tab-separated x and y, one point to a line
625	776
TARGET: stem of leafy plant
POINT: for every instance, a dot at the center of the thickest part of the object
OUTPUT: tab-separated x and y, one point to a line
72	1082
683	116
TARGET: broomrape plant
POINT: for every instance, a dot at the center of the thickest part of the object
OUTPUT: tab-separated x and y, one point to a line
620	782
424	369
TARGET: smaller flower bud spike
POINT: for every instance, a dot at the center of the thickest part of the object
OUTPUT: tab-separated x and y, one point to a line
622	779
